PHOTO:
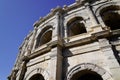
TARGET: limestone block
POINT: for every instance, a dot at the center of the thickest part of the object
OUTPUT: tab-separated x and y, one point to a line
106	76
116	73
113	63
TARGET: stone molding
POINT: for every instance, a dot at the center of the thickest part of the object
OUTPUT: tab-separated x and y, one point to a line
115	32
63	10
93	37
97	11
49	46
41	71
45	49
90	67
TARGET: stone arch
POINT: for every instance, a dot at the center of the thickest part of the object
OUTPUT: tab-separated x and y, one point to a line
111	16
71	17
89	69
38	72
44	36
75	26
37	77
110	9
97	11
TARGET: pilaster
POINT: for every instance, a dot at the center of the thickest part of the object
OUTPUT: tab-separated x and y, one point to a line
22	71
91	14
111	61
33	39
56	27
56	64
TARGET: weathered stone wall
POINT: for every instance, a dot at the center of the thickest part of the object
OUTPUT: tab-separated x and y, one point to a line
67	54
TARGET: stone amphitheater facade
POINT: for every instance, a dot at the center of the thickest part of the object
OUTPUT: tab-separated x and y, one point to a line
77	42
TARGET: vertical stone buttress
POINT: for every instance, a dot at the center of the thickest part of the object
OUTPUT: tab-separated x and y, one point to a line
56	54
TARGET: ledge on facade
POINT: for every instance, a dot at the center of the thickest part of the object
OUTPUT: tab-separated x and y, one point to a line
115	32
63	10
54	11
25	58
93	37
72	6
102	34
42	50
79	3
89	1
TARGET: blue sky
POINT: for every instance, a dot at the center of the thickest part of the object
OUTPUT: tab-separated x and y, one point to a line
16	20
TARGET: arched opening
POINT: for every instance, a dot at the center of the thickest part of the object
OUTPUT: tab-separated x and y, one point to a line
44	37
111	16
75	26
86	75
37	77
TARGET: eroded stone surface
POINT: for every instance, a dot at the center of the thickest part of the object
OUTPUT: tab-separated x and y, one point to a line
72	42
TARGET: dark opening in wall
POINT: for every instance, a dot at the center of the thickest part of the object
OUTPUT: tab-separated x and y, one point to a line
37	77
76	26
86	75
111	17
44	37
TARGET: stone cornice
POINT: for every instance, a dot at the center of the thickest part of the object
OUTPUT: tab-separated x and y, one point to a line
49	46
71	7
52	13
43	50
60	10
115	32
63	10
86	40
93	37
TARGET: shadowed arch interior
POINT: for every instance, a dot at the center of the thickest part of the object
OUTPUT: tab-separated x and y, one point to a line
75	26
111	16
86	75
44	37
37	77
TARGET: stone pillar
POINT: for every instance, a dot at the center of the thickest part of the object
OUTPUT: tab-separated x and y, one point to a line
56	27
56	64
31	43
91	14
66	32
111	61
101	20
12	76
22	71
